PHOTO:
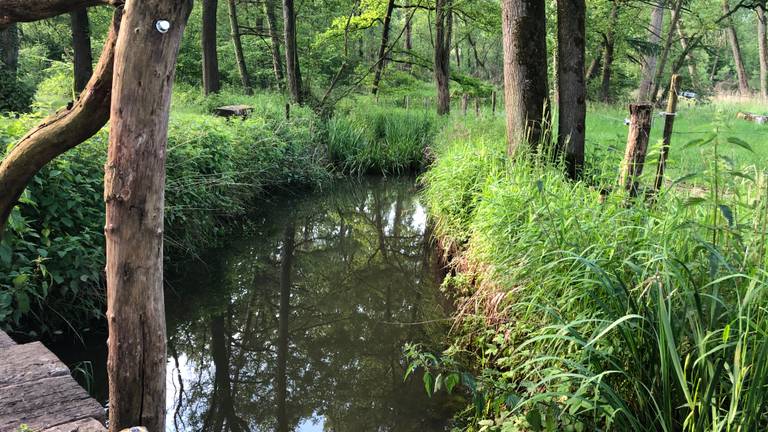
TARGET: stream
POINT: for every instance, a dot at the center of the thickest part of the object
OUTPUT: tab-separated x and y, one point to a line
299	322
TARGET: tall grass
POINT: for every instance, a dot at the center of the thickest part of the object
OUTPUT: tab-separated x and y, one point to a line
586	312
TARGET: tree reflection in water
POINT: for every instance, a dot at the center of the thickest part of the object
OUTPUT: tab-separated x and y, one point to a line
300	325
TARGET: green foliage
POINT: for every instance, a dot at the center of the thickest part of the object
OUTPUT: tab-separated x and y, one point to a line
52	256
381	139
595	312
15	95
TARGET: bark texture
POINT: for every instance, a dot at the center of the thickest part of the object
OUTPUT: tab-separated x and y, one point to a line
650	61
571	36
81	45
211	82
292	69
526	94
234	26
60	132
383	46
274	36
443	37
134	192
637	146
738	60
9	50
13	11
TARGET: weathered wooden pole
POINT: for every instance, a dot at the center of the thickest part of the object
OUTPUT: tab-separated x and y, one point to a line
493	103
134	192
464	104
287	111
637	146
669	123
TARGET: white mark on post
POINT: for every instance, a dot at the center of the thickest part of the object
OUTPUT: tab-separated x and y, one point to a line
162	26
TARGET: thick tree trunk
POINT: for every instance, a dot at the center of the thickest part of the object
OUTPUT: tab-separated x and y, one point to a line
60	132
134	192
738	60
274	36
763	48
9	50
408	38
593	71
13	11
655	28
690	60
571	36
662	63
293	71
526	94
211	83
443	37
234	26
81	45
381	61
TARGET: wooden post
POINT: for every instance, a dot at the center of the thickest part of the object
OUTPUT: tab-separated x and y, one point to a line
493	103
134	192
288	111
669	123
477	107
464	104
637	146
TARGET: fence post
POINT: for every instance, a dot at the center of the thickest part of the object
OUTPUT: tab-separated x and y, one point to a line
637	146
287	111
477	107
493	102
669	124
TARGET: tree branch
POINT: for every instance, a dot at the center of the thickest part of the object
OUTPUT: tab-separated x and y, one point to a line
13	11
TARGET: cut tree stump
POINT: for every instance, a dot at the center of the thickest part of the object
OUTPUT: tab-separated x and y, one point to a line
37	390
755	118
228	111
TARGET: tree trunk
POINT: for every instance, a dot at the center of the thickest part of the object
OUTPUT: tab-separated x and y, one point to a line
293	72
81	45
9	50
637	147
733	40
763	48
594	66
609	42
526	94
134	192
211	83
443	34
234	26
650	60
274	36
690	60
662	63
381	61
571	36
408	39
60	132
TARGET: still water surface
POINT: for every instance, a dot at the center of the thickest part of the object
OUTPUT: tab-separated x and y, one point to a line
299	323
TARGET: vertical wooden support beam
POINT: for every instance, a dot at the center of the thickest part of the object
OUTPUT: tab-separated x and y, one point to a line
669	123
637	146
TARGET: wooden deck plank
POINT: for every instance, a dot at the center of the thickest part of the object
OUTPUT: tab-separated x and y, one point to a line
5	340
88	425
46	403
29	362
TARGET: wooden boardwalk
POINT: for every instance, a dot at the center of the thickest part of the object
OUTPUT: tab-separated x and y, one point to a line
37	390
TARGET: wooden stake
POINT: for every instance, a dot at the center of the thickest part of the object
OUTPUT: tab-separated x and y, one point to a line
287	111
493	103
669	123
637	146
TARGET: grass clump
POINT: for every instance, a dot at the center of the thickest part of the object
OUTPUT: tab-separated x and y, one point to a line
580	311
373	139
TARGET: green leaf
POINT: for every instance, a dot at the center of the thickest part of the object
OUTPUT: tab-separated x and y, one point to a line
693	201
534	419
428	383
740	143
451	381
726	333
20	281
22	300
728	214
